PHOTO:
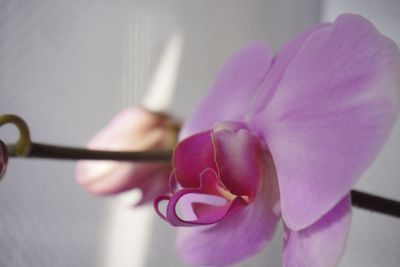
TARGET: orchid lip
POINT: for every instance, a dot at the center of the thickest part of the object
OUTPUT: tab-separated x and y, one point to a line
210	185
229	196
222	177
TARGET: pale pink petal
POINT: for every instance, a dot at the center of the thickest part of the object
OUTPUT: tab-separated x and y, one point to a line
122	176
234	89
153	186
133	129
331	113
269	85
321	244
240	235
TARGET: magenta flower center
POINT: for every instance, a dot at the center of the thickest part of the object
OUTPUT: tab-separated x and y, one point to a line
215	174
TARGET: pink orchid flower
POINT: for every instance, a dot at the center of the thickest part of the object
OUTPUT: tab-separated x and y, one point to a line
285	137
133	129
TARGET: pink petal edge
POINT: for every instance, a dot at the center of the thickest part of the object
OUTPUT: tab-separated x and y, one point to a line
331	113
321	244
242	234
235	87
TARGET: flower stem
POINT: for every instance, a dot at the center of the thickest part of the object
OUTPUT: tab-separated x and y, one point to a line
375	203
38	150
359	199
26	148
22	147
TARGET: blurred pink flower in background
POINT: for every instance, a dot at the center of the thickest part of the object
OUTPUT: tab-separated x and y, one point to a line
134	129
284	137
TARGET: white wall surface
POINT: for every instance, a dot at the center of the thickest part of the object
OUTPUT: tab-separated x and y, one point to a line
68	66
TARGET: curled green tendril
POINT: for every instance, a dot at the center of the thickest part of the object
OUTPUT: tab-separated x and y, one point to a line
23	145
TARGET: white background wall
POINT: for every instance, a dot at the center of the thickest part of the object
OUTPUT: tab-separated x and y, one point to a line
68	66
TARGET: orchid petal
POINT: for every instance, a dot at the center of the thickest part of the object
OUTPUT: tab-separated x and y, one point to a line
205	213
120	177
239	157
212	215
236	84
153	186
280	63
321	244
242	234
131	129
191	157
330	115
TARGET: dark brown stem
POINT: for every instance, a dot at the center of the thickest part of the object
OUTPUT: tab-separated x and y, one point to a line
37	150
375	203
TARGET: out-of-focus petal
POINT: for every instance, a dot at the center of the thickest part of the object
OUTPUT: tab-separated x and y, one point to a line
234	89
191	157
331	113
154	185
240	235
239	156
132	129
321	244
